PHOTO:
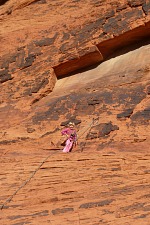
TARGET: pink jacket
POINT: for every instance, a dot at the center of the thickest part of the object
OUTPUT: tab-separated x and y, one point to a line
71	133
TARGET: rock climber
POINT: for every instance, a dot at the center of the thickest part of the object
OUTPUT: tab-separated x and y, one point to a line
71	136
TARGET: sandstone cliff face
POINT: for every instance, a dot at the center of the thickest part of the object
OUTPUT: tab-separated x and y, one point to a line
88	62
42	39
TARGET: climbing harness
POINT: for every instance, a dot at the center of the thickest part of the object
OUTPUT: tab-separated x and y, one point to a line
94	122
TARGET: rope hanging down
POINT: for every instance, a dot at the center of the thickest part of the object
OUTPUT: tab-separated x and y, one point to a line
32	175
94	122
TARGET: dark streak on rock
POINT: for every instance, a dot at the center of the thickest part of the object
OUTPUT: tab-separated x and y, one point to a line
116	169
5	76
141	216
111	176
63	210
8	142
28	61
145	196
22	223
148	90
43	213
147	171
2	2
146	7
142	117
30	130
135	206
101	130
96	204
126	114
129	189
121	7
135	3
39	2
46	41
94	101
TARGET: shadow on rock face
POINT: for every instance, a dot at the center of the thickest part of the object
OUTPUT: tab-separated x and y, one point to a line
2	2
101	130
141	117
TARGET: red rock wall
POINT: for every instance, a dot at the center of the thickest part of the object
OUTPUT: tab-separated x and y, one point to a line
39	36
105	180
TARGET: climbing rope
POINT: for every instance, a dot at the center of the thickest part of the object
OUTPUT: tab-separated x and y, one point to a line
94	122
32	175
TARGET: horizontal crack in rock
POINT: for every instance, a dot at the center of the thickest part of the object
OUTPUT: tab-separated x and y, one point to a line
96	204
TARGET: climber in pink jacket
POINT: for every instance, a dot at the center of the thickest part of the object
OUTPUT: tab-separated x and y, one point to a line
71	135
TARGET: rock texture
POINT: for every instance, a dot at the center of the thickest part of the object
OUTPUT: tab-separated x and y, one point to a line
47	39
46	47
77	188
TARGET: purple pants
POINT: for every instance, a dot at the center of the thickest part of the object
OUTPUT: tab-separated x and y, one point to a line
68	146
